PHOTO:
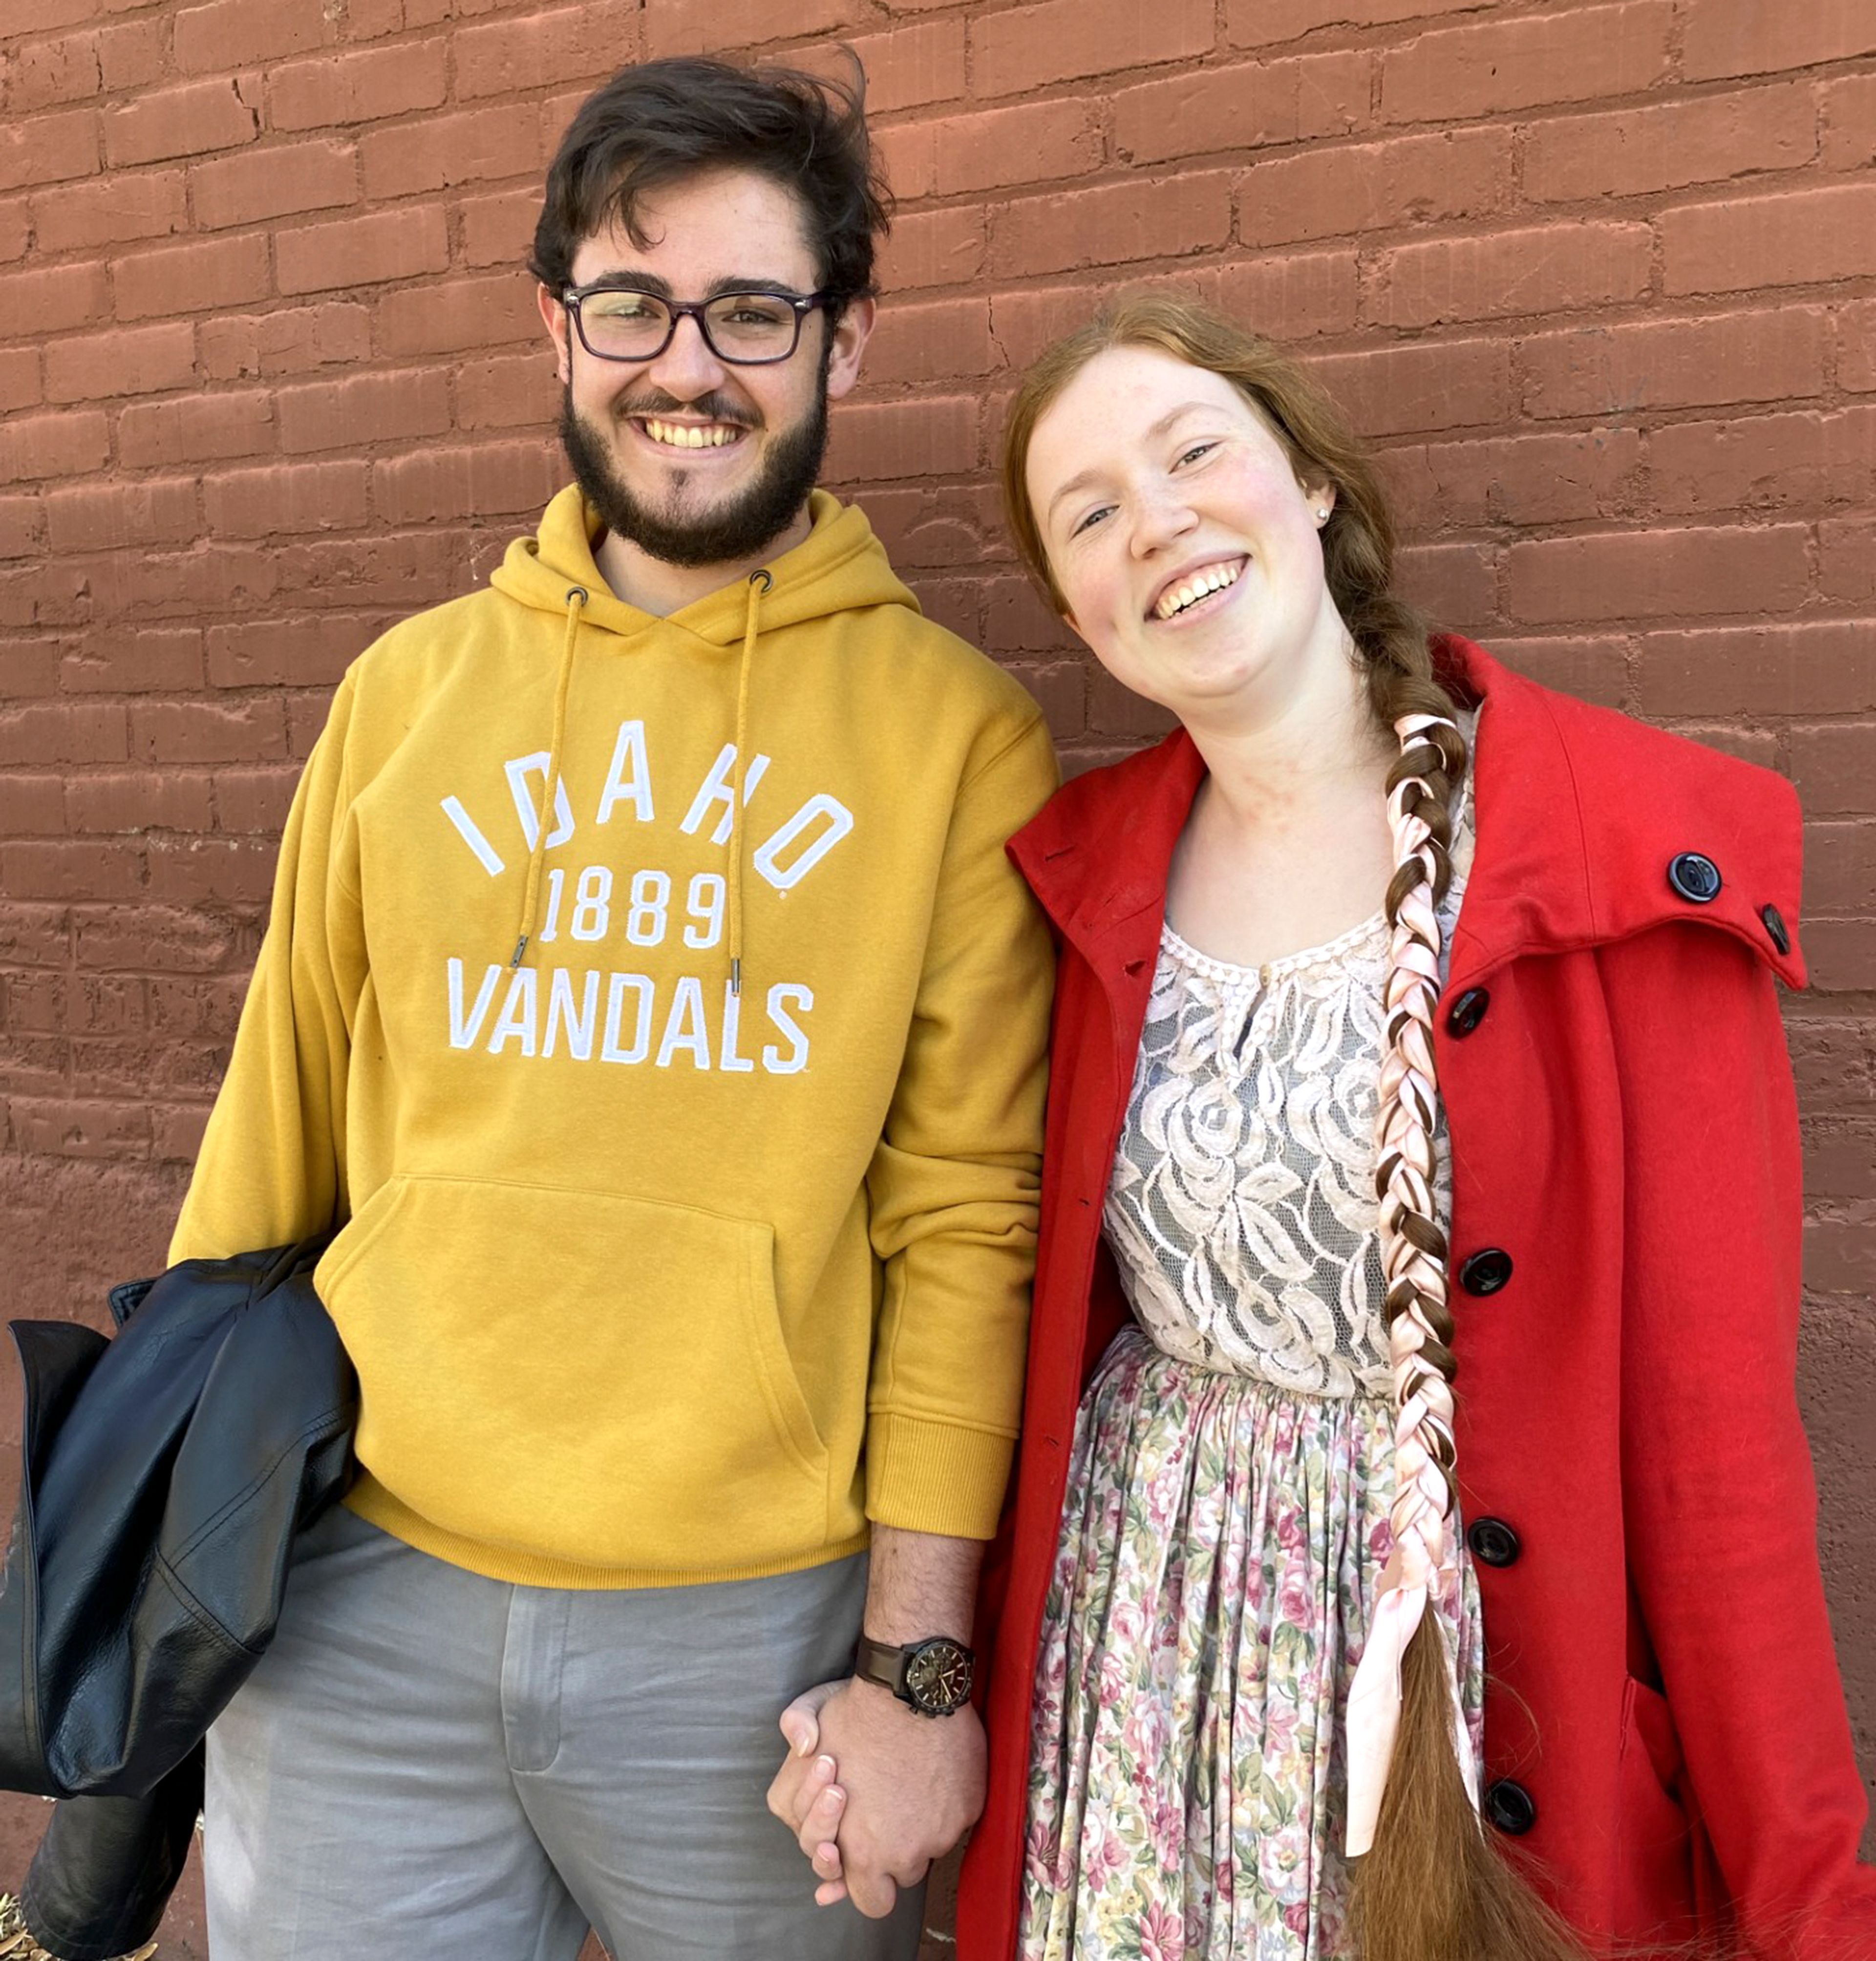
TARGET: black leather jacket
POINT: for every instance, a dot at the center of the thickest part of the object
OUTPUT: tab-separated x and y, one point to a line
166	1475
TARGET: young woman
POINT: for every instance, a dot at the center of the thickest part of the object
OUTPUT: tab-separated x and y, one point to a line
1410	1439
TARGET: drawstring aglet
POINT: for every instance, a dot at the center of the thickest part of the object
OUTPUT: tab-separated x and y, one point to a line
520	947
735	978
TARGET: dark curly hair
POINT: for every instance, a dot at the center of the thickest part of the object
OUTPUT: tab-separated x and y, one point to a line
663	121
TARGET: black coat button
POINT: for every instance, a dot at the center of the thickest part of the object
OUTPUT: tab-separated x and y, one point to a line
1695	877
1775	927
1486	1271
1493	1540
1510	1807
1468	1011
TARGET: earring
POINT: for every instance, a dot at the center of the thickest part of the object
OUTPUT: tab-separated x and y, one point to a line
1322	516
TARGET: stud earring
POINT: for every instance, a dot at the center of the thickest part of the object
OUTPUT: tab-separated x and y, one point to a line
1322	517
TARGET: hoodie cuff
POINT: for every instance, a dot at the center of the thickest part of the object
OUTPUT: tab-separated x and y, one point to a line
923	1475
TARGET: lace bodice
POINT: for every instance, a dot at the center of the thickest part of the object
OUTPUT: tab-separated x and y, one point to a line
1241	1207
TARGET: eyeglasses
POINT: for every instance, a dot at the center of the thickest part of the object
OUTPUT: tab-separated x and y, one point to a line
745	329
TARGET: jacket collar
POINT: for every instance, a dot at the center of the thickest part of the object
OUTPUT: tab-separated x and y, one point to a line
1579	812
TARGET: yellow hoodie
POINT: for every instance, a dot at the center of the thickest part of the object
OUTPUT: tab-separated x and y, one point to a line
657	1269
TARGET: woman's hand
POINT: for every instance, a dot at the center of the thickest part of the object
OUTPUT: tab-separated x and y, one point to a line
804	1795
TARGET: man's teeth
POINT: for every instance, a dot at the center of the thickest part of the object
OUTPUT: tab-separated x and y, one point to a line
1214	579
691	435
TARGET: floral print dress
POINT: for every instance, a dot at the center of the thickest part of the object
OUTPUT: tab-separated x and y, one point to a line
1227	1515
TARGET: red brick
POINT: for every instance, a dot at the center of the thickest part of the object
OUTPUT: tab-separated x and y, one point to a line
1766	462
1019	619
1726	37
155	940
20	382
28	667
1591	668
286	497
211	870
910	65
183	122
1521	480
935	248
125	660
565	44
935	342
88	1129
198	428
53	300
1657	574
1840	877
16	229
22	535
394	244
1849	120
1846	559
700	27
1856	347
35	935
1032	143
131	55
161	511
337	90
1243	107
1115	710
206	276
232	34
113	211
32	806
455	315
485	481
935	436
274	182
1488	66
1820	667
1356	189
515	391
439	152
45	75
1558	268
63	732
1410	390
500	231
1060	689
1826	232
1767	355
1833	765
53	446
140	800
1264	23
176	1134
127	361
1622	152
290	653
208	732
289	342
1064	40
1291	297
416	570
363	409
1839	957
43	149
1116	224
1455	585
248	801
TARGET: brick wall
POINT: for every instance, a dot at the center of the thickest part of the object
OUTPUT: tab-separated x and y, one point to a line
1601	278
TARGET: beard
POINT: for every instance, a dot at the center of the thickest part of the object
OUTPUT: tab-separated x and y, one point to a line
740	529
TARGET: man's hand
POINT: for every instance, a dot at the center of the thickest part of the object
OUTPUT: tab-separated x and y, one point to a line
909	1788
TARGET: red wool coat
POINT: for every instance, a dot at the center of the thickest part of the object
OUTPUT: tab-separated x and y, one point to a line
1665	1732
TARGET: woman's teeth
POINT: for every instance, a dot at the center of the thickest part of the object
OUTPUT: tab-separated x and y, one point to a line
1214	579
689	436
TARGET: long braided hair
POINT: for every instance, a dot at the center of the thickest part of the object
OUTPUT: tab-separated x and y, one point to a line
1428	1886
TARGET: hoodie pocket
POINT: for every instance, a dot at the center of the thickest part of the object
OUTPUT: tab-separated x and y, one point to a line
579	1376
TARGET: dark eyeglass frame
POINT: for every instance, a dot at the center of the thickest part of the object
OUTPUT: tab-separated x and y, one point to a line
802	303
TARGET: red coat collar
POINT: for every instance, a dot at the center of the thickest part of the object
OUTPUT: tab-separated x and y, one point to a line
1579	813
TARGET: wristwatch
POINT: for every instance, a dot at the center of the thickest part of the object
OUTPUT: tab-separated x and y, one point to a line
932	1677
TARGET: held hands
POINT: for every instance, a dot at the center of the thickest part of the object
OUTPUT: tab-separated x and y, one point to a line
873	1792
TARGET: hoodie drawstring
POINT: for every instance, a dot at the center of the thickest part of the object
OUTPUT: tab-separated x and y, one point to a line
576	598
760	581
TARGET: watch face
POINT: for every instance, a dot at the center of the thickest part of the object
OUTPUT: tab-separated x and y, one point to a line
938	1677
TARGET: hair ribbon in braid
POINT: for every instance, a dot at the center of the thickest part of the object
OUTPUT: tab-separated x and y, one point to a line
1424	1562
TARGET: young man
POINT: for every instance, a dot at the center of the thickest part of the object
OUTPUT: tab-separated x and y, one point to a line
648	1010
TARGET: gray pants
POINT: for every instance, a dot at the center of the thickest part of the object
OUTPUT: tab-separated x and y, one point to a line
427	1763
